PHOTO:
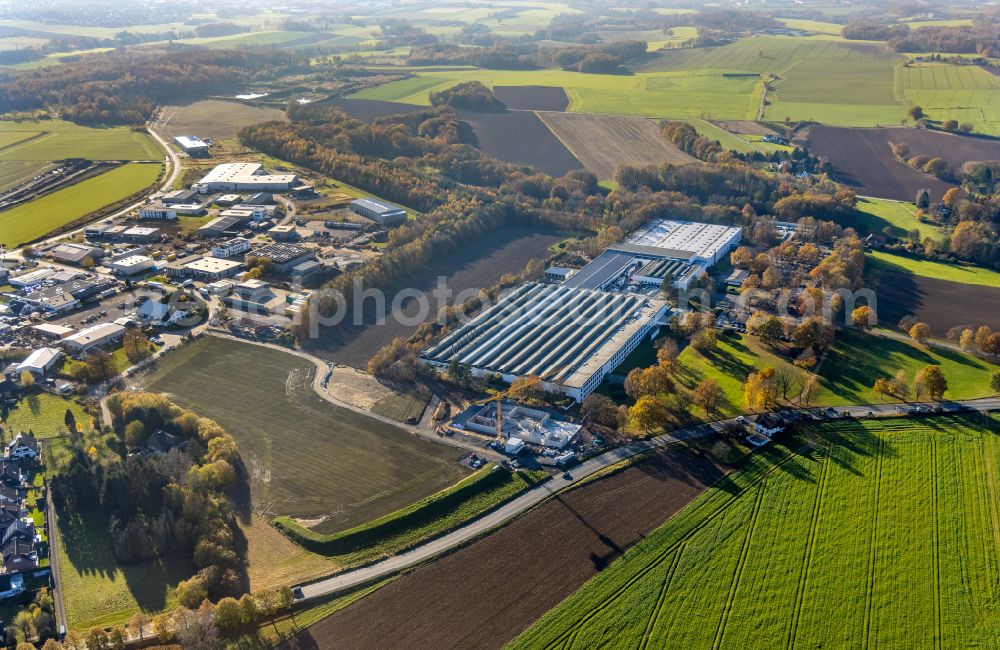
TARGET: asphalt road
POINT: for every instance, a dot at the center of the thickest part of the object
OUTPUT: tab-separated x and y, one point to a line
389	566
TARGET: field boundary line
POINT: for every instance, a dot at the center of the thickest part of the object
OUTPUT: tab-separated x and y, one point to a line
574	630
937	542
810	547
991	490
720	630
658	607
872	544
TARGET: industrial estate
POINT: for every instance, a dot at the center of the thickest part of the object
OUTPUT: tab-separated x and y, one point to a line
502	324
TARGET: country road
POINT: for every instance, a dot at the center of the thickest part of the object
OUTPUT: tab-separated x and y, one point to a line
358	577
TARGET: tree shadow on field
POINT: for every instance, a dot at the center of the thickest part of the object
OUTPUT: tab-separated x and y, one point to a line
960	359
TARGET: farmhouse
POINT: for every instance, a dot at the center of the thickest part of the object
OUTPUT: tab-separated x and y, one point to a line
381	212
192	146
158	211
570	338
245	177
40	361
23	445
94	336
212	268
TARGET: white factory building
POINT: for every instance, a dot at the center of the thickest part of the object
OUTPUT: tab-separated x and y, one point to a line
191	145
245	177
570	338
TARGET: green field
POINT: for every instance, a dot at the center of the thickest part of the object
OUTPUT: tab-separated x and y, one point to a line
734	141
29	221
306	457
875	215
97	589
60	140
964	93
964	274
45	415
858	534
846	376
15	172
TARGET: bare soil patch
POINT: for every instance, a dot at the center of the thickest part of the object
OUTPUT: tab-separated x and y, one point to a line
369	110
939	303
863	157
745	127
484	595
603	142
214	118
273	559
476	267
356	388
532	98
518	137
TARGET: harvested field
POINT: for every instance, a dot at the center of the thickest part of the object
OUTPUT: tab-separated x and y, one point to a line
518	137
603	142
478	598
532	98
476	267
369	110
305	457
863	157
215	119
745	127
939	303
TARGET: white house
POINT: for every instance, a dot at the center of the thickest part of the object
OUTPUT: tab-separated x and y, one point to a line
158	211
23	445
769	425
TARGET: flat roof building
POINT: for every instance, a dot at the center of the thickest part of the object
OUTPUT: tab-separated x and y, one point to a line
211	269
570	338
220	226
179	196
94	336
141	234
131	264
381	212
249	177
191	145
701	242
158	211
71	253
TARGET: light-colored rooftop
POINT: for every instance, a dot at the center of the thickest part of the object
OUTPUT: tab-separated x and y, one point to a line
94	333
702	240
244	173
213	265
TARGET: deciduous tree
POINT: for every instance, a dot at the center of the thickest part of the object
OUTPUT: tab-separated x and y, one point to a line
930	380
647	413
920	332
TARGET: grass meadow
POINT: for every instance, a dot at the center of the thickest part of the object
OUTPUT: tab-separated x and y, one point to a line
306	458
57	139
44	414
961	273
853	534
29	221
964	93
874	215
15	172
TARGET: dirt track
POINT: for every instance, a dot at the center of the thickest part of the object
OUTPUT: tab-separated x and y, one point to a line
863	158
487	593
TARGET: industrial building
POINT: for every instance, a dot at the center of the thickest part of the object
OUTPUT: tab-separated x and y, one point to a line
140	234
245	177
179	196
158	211
94	336
40	361
220	226
192	146
211	269
231	247
533	426
72	253
284	256
381	212
678	251
570	338
131	264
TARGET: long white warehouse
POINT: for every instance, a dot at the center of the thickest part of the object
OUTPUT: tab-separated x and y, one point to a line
245	177
570	338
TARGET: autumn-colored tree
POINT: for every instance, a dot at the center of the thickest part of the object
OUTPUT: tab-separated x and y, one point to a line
741	257
647	413
767	327
648	381
707	395
191	592
601	409
982	333
666	350
863	317
883	387
920	332
248	610
967	340
163	628
228	615
930	380
138	625
771	278
760	391
525	388
705	341
991	344
808	254
117	638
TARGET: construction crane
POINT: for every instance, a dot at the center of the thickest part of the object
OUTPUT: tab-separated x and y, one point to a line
498	398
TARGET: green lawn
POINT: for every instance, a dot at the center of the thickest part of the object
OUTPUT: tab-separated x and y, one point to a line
847	374
30	221
437	514
965	274
733	141
45	415
874	215
307	458
60	139
858	534
15	172
964	93
97	589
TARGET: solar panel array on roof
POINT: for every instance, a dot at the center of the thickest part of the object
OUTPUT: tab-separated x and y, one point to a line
602	271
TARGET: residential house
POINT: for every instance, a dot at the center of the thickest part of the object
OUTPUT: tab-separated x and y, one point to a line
23	445
11	585
769	425
162	442
19	556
